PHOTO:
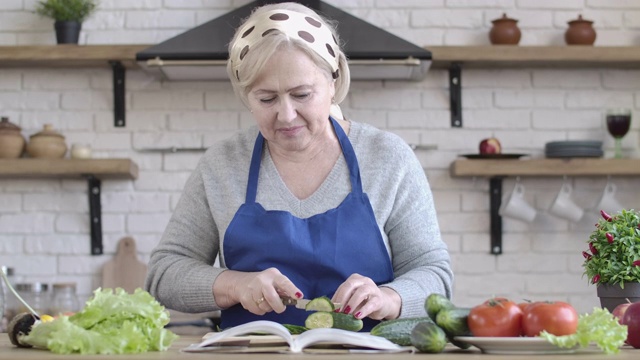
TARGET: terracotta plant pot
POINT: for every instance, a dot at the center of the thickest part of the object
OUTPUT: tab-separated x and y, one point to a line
613	295
505	31
48	144
580	32
11	140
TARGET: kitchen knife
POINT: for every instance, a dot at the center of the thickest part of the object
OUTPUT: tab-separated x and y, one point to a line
302	303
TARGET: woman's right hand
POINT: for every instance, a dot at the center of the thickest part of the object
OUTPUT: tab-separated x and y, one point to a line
257	292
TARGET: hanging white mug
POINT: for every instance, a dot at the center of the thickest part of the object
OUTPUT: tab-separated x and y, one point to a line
564	207
516	206
608	201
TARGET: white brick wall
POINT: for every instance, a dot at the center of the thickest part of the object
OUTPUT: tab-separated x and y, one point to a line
44	231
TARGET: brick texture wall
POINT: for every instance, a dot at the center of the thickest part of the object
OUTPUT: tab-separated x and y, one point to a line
44	231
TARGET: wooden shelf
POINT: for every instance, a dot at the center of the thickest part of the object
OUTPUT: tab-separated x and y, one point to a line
545	167
501	56
69	56
99	168
471	56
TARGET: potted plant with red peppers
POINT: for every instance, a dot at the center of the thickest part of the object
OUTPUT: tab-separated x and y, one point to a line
612	262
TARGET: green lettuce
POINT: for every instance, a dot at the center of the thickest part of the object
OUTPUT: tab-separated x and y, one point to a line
600	327
112	322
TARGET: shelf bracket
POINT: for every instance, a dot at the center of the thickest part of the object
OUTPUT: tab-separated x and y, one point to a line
455	94
95	215
495	196
118	93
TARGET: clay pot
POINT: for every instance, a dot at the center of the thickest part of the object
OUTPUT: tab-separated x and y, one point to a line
11	140
48	144
505	31
580	32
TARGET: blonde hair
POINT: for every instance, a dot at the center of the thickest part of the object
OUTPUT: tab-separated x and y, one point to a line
253	63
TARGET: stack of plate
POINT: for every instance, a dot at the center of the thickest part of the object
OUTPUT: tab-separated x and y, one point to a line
577	148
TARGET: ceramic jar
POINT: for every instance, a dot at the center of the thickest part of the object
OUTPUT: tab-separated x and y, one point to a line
580	32
48	144
505	31
11	140
80	151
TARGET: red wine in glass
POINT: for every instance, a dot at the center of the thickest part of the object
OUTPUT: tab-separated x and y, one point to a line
618	124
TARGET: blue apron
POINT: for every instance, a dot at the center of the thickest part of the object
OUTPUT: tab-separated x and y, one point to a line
317	253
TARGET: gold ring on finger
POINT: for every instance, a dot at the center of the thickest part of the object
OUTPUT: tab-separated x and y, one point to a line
259	301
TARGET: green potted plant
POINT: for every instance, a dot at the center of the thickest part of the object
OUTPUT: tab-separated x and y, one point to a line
68	16
612	262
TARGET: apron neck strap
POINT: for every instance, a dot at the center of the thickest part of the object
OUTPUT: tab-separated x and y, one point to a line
347	151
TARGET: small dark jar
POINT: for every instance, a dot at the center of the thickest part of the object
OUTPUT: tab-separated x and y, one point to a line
580	32
505	31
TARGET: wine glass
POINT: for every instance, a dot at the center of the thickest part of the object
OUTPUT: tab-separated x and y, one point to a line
618	124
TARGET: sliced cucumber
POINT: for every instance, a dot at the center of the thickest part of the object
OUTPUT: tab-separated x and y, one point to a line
322	303
320	319
324	319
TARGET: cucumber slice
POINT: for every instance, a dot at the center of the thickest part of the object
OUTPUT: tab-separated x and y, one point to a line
319	319
322	303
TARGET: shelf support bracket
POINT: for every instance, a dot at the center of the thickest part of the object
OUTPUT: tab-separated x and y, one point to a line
455	94
495	196
118	93
95	215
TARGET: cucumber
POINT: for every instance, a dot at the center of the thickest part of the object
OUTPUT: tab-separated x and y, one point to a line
321	303
428	337
295	329
398	331
454	323
435	303
325	319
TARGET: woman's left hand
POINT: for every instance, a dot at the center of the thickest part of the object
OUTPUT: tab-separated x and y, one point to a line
360	296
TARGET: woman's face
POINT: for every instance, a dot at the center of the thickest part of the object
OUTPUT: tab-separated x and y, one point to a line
290	101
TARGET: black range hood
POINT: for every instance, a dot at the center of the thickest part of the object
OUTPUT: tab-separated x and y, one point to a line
201	53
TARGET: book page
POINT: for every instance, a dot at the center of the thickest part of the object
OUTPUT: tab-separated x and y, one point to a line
342	337
230	340
260	326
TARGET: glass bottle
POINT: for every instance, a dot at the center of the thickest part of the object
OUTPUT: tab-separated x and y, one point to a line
64	300
4	297
35	294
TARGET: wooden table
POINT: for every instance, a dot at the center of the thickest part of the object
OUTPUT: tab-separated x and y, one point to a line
8	351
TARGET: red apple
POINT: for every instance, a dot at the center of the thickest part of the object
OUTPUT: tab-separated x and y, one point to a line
490	146
631	318
619	310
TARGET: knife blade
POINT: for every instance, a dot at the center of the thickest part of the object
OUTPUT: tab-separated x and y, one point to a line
302	303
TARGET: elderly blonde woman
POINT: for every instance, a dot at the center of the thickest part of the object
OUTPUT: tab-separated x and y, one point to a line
306	203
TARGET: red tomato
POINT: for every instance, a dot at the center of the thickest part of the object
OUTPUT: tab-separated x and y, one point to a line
556	317
496	317
523	305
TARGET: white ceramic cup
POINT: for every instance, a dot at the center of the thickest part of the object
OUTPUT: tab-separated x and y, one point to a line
608	201
564	207
516	206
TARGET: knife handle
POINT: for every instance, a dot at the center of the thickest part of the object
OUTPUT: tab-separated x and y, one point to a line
289	301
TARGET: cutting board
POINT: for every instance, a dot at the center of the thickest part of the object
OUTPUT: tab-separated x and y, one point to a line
124	270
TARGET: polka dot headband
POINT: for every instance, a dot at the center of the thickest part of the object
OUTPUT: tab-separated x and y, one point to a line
296	25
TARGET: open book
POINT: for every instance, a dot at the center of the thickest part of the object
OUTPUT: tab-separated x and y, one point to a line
242	338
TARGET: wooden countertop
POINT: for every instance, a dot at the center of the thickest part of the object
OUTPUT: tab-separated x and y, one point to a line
8	351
